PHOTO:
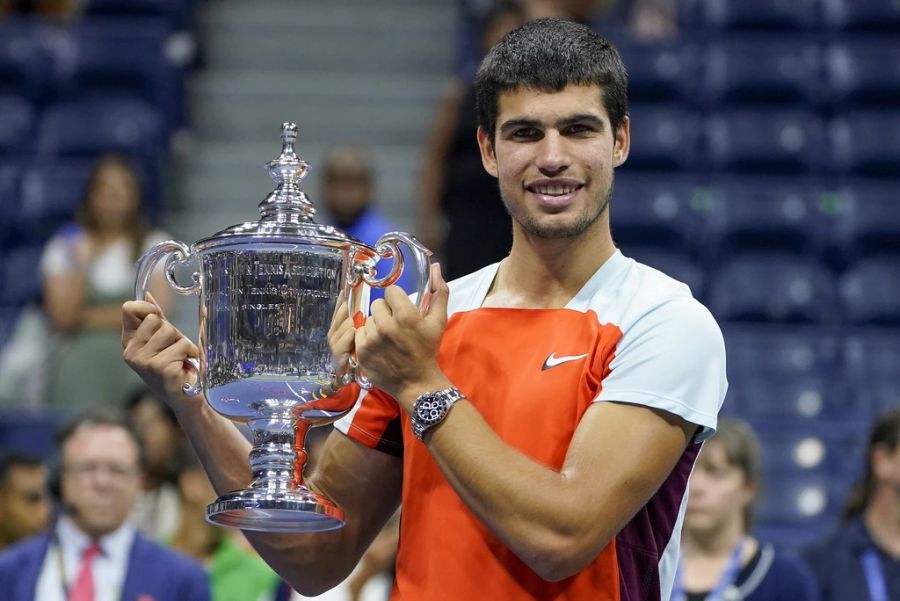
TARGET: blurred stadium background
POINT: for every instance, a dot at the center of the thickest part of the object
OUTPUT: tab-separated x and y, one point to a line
765	173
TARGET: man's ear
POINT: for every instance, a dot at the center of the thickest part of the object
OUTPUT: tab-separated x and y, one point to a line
488	157
622	143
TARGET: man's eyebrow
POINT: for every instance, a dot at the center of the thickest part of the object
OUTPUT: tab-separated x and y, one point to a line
562	123
513	123
582	118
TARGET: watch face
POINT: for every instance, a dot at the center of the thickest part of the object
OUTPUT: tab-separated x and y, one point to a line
430	410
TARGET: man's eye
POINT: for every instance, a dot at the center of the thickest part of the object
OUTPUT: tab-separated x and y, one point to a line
577	129
525	132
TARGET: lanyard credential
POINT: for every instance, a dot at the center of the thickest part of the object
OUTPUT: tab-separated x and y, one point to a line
729	576
874	574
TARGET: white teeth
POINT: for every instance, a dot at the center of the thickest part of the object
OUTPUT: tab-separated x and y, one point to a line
554	190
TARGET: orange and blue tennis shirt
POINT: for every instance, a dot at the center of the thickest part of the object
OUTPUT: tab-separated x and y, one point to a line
630	335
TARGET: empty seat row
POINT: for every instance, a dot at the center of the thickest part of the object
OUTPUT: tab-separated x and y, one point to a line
712	218
765	140
765	69
797	15
42	63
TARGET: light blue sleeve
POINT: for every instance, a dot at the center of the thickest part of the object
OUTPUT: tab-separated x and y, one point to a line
671	358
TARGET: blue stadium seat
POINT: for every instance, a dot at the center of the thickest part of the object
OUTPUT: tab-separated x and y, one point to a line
663	136
866	220
772	287
765	140
675	265
832	448
8	317
51	193
871	357
30	432
800	398
760	14
656	210
20	274
26	62
784	352
870	290
856	75
861	15
16	126
759	213
175	12
658	72
798	500
121	59
760	69
91	127
866	143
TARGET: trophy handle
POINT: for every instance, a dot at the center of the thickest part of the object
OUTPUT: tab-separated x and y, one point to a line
388	248
174	252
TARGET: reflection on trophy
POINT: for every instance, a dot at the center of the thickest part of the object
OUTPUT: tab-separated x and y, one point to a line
269	291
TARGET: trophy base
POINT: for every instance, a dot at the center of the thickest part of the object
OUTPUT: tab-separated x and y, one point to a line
298	510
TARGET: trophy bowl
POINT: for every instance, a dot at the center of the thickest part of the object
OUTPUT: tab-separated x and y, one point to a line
269	291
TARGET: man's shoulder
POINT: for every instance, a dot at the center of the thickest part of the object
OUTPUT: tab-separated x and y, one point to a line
24	550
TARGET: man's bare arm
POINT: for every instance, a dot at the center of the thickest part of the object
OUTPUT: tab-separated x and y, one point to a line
364	482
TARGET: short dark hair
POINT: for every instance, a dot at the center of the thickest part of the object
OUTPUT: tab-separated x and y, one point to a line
547	55
13	459
97	417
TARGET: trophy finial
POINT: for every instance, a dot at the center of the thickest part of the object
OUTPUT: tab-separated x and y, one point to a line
287	171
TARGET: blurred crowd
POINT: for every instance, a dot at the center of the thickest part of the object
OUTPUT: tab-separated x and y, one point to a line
121	471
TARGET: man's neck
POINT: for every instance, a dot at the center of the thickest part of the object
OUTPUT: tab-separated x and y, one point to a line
546	274
882	520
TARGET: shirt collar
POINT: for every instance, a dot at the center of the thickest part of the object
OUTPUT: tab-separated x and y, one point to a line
114	545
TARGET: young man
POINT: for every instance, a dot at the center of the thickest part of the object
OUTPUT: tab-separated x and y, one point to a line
558	398
91	552
24	502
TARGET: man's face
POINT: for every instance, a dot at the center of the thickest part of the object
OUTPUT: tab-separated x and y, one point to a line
24	503
554	155
100	477
346	186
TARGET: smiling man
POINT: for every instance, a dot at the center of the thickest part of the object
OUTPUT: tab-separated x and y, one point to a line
541	420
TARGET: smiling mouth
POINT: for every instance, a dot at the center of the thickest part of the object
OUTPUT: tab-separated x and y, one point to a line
553	189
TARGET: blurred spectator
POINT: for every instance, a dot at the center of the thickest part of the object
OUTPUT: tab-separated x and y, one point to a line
24	499
236	572
719	558
156	512
92	552
347	187
861	560
88	272
462	217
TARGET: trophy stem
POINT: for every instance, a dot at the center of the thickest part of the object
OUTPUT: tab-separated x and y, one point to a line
276	500
272	458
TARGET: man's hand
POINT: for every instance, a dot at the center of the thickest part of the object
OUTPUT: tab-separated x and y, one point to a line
156	350
398	345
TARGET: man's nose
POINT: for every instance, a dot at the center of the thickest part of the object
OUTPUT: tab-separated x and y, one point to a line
553	157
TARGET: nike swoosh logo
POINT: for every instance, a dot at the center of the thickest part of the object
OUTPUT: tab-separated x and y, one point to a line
553	360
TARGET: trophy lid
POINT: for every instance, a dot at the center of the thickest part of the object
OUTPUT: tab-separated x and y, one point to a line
286	214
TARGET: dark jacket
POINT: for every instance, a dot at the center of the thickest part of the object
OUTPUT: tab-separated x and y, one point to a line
837	564
154	573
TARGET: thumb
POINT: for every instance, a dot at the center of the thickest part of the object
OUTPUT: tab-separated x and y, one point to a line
440	293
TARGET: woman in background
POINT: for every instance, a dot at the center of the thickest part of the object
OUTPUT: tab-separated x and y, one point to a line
88	272
861	560
720	560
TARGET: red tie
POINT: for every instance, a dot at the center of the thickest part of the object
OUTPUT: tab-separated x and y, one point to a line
83	589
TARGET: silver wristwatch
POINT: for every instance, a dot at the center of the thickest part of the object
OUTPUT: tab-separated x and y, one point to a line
431	408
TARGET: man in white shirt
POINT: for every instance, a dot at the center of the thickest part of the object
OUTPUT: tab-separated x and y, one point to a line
92	553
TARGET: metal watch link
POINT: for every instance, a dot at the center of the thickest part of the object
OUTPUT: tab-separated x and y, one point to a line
431	408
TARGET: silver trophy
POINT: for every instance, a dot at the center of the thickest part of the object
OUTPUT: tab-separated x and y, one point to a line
269	291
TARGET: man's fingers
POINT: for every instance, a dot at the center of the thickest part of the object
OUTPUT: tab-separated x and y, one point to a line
147	328
380	311
440	293
164	337
341	315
